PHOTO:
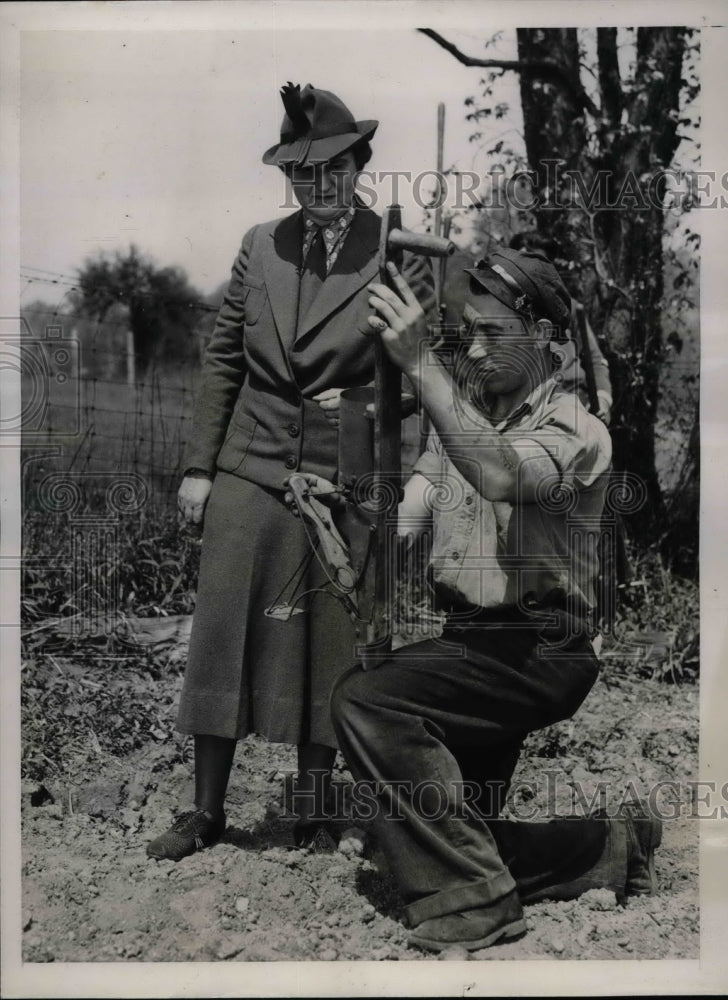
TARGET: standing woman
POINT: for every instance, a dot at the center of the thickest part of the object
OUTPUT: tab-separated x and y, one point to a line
290	335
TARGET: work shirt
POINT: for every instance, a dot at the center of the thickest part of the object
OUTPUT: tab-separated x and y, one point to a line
334	234
489	553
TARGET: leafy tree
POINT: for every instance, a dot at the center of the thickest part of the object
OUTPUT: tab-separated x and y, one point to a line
606	206
164	309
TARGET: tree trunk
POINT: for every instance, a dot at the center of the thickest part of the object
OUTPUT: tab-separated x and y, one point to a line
630	240
553	121
616	254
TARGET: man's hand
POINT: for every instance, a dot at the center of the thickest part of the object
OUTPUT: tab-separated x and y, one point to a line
401	322
605	406
328	400
192	499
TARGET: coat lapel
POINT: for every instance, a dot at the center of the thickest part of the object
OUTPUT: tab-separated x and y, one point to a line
281	273
354	267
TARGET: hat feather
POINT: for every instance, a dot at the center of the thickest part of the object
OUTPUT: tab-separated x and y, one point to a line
291	97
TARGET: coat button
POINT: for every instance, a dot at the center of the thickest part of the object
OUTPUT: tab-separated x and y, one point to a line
294	430
291	462
468	499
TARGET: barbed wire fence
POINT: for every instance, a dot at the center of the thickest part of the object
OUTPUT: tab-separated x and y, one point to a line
91	402
104	432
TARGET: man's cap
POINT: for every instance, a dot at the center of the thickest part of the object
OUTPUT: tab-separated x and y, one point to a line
525	281
317	126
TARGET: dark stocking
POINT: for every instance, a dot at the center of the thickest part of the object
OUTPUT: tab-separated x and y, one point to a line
213	761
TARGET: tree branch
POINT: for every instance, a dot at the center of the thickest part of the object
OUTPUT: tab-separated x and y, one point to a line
542	69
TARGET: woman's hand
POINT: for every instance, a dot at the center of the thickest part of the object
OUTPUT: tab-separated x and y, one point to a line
401	322
192	499
328	400
318	487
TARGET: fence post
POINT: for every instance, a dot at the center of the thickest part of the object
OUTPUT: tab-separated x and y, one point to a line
130	359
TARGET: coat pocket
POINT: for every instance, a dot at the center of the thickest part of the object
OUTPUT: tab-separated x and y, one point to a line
240	433
244	422
255	296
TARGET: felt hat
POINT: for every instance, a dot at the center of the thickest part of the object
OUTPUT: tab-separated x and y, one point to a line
317	126
526	282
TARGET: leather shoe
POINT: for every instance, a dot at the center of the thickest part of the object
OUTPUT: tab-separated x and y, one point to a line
644	835
190	832
473	929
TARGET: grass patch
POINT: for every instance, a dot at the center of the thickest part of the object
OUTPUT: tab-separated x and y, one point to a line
143	565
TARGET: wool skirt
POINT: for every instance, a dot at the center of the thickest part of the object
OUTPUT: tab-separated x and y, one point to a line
248	672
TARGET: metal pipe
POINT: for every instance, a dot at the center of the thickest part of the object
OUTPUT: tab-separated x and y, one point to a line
422	243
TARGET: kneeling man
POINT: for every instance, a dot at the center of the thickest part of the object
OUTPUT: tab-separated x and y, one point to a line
513	481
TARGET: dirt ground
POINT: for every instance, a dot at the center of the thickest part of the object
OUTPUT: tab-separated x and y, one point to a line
90	894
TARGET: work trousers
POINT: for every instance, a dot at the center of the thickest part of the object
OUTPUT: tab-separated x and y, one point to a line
445	712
